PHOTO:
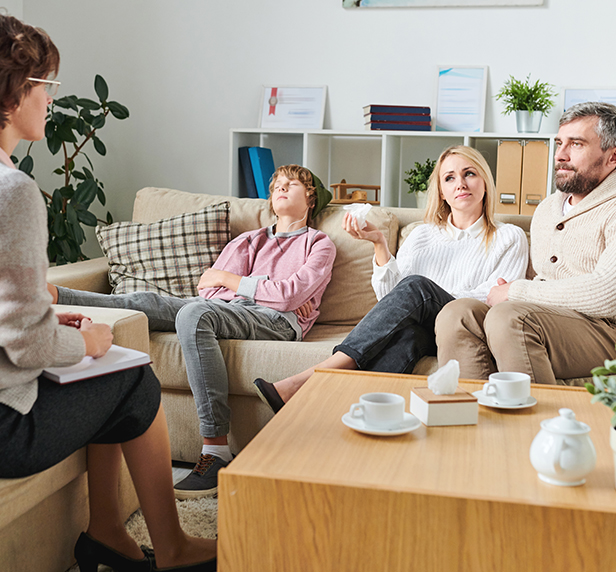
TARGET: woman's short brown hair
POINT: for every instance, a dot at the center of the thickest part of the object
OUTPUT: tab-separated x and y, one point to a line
25	51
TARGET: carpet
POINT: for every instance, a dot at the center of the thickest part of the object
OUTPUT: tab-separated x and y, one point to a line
198	518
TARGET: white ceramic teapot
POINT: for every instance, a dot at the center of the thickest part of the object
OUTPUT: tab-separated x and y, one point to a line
562	452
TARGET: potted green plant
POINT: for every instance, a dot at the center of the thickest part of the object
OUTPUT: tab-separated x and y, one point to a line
417	181
530	101
603	389
68	206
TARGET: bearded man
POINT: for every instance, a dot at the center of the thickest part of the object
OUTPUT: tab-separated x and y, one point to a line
562	323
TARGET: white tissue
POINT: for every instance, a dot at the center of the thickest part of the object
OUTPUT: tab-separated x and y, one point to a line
359	211
444	381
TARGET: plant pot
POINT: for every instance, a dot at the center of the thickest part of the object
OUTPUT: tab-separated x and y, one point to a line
422	199
613	444
528	121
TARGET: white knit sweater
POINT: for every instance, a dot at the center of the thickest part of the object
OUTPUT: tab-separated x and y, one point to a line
456	261
574	255
30	336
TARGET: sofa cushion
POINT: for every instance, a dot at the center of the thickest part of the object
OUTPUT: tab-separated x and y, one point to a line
167	256
152	204
349	295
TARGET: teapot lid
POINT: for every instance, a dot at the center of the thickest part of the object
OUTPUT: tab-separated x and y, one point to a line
565	423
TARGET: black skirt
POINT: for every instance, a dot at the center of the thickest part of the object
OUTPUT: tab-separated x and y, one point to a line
113	408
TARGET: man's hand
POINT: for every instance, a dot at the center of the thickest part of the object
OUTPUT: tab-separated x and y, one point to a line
304	310
499	293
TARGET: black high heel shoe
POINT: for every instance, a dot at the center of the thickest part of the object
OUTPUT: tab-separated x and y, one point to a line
89	553
208	566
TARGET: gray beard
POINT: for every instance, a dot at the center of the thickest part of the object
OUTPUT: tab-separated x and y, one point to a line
577	184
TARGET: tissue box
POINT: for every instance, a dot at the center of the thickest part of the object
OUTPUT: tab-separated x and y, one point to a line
459	408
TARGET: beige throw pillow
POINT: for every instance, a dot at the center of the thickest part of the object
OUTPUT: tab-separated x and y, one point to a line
167	256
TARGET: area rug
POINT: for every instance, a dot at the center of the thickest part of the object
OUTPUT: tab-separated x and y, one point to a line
198	518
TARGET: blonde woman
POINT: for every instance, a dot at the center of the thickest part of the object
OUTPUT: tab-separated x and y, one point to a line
461	252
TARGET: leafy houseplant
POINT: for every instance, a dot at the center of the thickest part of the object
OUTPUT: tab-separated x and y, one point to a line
524	96
603	387
529	101
418	177
68	206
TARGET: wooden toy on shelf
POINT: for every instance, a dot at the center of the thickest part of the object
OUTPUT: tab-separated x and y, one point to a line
347	193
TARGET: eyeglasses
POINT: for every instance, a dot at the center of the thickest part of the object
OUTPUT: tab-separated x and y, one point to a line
51	86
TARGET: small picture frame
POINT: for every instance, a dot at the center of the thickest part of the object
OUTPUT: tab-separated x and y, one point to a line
461	98
571	96
293	107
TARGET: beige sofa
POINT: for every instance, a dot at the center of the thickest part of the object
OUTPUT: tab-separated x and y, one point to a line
348	298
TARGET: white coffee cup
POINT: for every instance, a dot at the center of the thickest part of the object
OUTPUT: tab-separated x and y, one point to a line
379	410
508	388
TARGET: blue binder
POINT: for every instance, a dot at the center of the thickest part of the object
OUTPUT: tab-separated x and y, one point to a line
249	179
262	162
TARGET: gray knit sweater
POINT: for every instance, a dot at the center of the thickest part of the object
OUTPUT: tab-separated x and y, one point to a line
574	256
30	336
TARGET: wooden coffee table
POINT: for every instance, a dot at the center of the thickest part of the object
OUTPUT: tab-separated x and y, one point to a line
308	494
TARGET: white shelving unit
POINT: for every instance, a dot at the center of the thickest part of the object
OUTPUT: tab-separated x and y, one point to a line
366	157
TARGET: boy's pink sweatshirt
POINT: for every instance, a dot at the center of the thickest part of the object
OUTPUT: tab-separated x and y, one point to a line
282	271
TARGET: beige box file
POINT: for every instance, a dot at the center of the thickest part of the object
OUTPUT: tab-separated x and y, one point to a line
534	175
508	177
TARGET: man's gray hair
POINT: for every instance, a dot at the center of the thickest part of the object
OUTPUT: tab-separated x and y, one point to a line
606	124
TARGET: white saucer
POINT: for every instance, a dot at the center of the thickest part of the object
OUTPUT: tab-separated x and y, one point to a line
489	401
410	423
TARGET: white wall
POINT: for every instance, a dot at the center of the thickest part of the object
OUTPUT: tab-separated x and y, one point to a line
189	70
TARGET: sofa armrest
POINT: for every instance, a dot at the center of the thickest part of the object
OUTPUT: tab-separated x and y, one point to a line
89	275
129	327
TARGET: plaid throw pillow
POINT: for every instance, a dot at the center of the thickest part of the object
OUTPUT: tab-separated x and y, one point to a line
167	256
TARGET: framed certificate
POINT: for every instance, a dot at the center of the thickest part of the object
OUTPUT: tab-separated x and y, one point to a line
293	107
461	98
573	96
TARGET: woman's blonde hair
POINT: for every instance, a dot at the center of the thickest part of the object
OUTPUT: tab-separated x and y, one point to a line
438	211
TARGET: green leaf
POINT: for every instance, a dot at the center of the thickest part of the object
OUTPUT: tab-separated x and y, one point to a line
59	226
65	133
101	196
50	129
67	192
71	215
89	104
98	121
59	171
99	146
81	127
118	110
54	144
86	116
86	217
67	102
85	192
88	173
600	371
27	164
58	117
78	175
109	218
100	86
590	388
57	200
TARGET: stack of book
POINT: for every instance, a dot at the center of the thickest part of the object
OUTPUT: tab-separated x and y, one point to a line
397	118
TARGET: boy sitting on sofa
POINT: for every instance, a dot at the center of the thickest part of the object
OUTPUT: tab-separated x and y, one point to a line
267	284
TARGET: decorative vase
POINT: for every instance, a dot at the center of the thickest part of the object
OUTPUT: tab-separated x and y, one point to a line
613	444
421	197
528	121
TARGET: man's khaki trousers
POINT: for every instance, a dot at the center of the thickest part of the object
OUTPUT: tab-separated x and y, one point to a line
546	342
